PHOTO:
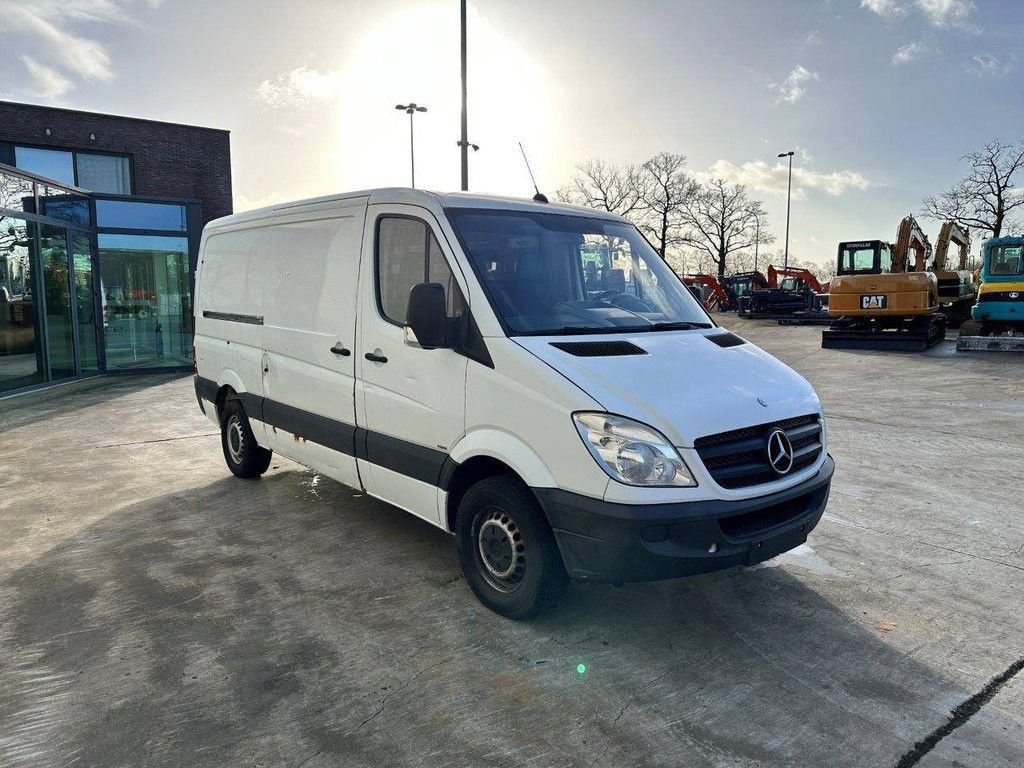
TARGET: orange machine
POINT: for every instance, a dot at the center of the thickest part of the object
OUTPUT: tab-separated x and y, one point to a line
880	300
713	295
796	274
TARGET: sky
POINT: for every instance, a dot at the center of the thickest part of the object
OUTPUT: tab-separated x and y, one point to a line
878	98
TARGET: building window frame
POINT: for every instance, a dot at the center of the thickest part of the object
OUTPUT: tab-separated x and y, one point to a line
75	152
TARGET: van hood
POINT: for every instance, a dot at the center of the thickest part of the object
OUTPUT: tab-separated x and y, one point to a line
685	386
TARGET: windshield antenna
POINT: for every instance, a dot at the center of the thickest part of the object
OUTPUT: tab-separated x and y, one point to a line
539	197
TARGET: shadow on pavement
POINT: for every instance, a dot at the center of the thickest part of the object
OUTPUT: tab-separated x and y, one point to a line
291	620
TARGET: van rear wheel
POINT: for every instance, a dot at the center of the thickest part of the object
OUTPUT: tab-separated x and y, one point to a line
507	550
244	456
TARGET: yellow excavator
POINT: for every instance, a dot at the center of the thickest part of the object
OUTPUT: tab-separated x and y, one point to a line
880	300
958	289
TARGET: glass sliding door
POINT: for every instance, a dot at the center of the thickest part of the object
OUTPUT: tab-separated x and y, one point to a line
54	260
21	362
85	303
147	308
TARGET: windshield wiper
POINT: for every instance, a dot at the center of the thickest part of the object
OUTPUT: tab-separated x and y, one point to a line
678	325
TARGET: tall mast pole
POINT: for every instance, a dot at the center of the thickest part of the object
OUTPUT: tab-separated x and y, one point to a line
464	142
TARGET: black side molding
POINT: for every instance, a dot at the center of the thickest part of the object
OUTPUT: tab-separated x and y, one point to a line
231	317
428	465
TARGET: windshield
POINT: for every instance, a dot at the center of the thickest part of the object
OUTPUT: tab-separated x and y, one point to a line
856	257
1007	260
548	273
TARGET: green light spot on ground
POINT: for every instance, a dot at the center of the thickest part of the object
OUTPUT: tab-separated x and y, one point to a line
581	668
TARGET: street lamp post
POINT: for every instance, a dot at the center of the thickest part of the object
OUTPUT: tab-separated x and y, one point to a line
464	140
411	109
789	197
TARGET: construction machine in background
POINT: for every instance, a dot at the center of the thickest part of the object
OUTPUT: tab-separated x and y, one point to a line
997	319
879	300
740	285
711	293
796	298
957	287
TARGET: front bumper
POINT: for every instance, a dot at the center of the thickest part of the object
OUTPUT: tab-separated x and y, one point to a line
604	541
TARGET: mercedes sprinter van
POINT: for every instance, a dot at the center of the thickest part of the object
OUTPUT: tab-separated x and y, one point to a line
529	377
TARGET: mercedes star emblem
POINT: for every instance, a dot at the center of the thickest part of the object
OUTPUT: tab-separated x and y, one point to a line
780	452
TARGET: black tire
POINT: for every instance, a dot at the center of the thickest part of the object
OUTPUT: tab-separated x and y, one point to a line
244	456
500	517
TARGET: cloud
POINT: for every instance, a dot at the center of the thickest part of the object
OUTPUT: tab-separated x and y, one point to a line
813	39
773	179
948	14
793	88
48	82
42	27
887	9
987	65
944	14
301	85
85	58
297	129
907	53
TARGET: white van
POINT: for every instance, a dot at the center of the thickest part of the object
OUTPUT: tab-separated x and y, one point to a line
530	377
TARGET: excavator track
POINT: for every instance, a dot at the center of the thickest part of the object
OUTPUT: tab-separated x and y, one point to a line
977	336
913	335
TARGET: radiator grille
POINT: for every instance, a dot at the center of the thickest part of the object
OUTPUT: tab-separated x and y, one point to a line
739	458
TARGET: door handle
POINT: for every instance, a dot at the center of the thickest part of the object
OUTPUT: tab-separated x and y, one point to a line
373	357
339	349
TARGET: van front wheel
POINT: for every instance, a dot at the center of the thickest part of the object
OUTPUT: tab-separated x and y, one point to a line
244	456
507	551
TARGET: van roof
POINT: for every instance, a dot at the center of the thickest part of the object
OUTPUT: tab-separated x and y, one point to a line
405	195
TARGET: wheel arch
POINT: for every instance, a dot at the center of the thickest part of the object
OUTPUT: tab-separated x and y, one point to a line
491	453
229	384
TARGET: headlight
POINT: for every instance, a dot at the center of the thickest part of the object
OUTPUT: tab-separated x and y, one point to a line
631	452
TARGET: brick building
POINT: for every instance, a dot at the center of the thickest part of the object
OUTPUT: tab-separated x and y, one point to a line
100	221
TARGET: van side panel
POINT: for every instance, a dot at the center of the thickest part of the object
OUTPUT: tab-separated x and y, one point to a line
312	266
229	313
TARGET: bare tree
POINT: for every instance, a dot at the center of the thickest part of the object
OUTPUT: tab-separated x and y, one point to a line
605	186
721	220
987	196
667	190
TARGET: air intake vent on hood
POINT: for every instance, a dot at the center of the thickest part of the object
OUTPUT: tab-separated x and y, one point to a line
598	348
726	339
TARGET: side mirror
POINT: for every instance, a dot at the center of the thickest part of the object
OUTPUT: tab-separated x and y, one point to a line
428	315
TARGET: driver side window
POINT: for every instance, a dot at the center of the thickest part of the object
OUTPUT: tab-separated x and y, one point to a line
409	254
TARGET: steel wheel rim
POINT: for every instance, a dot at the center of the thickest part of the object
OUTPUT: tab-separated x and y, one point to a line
500	550
235	439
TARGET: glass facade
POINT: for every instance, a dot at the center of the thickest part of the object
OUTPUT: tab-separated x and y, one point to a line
104	173
19	347
94	171
54	164
147	307
91	283
128	214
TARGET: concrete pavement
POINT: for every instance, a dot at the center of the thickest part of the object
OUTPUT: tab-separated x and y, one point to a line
154	610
